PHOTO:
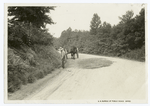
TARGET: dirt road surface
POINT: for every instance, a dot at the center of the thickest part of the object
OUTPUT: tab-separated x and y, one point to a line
122	80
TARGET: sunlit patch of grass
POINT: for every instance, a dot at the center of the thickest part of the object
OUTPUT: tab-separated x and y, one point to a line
93	63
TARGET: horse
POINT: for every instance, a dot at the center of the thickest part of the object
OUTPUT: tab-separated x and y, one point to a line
73	50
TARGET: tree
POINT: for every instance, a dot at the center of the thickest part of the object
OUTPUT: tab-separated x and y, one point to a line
34	15
95	24
105	28
125	18
27	25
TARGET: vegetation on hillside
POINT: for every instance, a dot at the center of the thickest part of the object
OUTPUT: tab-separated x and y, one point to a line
31	54
126	39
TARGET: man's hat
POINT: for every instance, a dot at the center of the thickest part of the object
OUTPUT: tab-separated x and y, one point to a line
60	48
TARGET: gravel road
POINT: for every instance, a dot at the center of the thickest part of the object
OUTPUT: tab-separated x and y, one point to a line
122	81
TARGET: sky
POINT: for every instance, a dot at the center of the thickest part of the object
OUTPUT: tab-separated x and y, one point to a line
79	16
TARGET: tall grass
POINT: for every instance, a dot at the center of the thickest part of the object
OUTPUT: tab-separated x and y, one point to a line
26	65
137	54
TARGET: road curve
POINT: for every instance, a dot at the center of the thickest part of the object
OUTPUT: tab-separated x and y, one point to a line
122	80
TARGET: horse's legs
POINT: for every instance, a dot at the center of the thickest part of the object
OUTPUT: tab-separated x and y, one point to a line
73	55
77	55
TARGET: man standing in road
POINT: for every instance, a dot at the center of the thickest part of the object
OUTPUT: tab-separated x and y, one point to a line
62	56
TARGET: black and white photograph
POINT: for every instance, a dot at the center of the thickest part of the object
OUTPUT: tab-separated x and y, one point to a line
76	53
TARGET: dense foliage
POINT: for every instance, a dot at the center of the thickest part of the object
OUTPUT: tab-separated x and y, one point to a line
27	25
126	39
35	15
30	52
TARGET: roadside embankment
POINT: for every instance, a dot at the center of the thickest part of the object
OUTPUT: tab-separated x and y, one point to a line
28	64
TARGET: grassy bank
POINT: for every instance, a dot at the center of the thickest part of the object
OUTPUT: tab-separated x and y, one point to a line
28	64
138	54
